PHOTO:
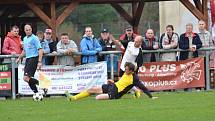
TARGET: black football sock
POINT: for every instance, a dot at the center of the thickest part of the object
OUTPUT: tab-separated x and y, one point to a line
34	81
32	85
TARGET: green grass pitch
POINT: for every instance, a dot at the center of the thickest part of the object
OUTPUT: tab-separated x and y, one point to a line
171	106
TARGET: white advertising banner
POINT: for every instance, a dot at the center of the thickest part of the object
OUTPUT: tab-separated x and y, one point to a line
60	78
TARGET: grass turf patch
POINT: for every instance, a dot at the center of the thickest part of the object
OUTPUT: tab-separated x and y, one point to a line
171	106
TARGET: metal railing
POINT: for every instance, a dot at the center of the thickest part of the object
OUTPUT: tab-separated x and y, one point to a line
112	53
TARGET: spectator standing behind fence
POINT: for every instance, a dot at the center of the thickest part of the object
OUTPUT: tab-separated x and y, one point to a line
189	41
13	45
12	42
205	37
44	44
169	40
33	51
52	46
90	47
109	43
66	47
127	37
150	42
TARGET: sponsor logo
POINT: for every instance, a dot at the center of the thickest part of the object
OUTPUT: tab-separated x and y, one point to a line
190	72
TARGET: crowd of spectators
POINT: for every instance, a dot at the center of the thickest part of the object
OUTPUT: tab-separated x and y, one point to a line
90	46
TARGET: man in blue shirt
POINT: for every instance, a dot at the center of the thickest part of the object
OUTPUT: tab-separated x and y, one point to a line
33	51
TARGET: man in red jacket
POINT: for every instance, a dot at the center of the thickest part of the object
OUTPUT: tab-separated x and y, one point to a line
12	45
12	42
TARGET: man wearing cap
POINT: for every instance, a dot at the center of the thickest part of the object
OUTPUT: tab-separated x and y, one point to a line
52	46
90	47
127	37
109	43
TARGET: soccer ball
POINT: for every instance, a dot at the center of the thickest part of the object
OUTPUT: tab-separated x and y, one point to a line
37	97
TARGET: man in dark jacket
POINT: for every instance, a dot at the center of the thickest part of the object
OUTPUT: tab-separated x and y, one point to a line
189	41
127	37
109	43
52	46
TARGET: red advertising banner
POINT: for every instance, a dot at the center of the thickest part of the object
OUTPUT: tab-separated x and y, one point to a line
5	86
5	75
173	75
5	78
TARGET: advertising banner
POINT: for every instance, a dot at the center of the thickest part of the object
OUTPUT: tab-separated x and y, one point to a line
173	75
58	78
5	80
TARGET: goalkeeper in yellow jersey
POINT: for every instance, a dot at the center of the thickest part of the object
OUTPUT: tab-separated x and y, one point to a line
115	90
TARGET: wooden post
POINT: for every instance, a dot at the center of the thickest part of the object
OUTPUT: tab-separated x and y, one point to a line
39	13
198	14
205	11
53	19
201	15
198	4
134	10
137	16
67	12
123	13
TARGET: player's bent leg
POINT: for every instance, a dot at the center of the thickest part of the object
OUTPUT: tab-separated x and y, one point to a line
31	82
102	97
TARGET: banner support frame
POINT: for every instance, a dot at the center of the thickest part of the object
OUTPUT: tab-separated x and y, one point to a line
207	70
13	60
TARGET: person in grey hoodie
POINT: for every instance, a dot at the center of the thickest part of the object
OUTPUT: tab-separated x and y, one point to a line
66	47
